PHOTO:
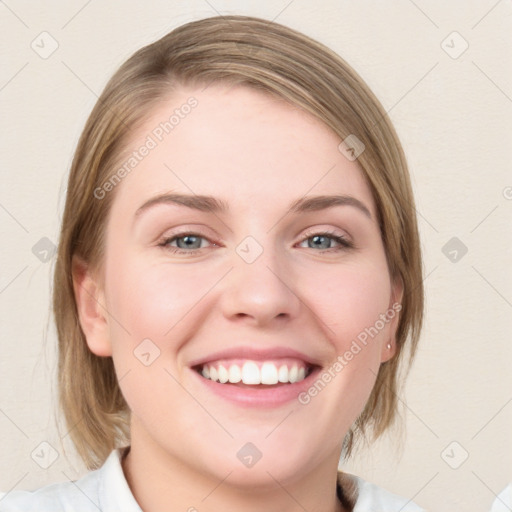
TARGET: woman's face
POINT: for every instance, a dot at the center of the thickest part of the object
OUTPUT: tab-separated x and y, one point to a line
249	283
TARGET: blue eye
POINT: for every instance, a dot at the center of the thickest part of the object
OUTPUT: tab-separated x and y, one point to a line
191	243
323	241
185	243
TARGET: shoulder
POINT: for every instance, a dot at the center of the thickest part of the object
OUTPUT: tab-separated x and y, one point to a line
104	489
58	497
368	497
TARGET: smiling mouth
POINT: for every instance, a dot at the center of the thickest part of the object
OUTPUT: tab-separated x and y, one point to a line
256	374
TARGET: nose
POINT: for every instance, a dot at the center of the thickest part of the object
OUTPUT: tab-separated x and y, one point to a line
260	292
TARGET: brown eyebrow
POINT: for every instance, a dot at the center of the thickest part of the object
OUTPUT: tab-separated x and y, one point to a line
196	202
315	203
213	205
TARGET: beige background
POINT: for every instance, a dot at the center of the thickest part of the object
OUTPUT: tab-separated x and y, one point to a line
453	115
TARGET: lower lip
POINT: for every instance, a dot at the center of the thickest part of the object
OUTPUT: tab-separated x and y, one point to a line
259	397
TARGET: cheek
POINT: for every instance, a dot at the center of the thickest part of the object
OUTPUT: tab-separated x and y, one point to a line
150	299
349	303
150	302
350	299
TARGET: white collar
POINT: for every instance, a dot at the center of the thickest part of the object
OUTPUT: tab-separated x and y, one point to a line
114	493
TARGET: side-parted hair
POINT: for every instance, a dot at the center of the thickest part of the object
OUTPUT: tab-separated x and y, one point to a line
235	50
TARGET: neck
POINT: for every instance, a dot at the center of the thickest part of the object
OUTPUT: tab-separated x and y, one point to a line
160	482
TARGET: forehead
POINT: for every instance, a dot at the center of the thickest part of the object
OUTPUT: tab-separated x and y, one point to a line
240	145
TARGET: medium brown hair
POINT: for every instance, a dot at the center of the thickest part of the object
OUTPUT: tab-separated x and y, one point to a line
271	58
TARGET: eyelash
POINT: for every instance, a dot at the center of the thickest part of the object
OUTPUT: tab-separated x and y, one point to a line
343	242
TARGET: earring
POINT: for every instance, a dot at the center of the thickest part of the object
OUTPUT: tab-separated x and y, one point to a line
389	346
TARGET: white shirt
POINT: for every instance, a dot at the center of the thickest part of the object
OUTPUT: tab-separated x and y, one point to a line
107	490
503	502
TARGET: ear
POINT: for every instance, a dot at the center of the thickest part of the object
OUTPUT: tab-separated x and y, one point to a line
393	313
92	314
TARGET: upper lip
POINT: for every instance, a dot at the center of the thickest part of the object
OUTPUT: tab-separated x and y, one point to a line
256	354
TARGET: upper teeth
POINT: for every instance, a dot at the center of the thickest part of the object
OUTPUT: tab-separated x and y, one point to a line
250	372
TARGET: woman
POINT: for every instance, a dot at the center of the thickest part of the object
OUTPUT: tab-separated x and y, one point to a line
238	279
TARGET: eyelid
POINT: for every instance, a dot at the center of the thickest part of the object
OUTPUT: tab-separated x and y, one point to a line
328	230
187	229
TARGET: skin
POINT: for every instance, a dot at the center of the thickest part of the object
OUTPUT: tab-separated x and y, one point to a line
258	154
